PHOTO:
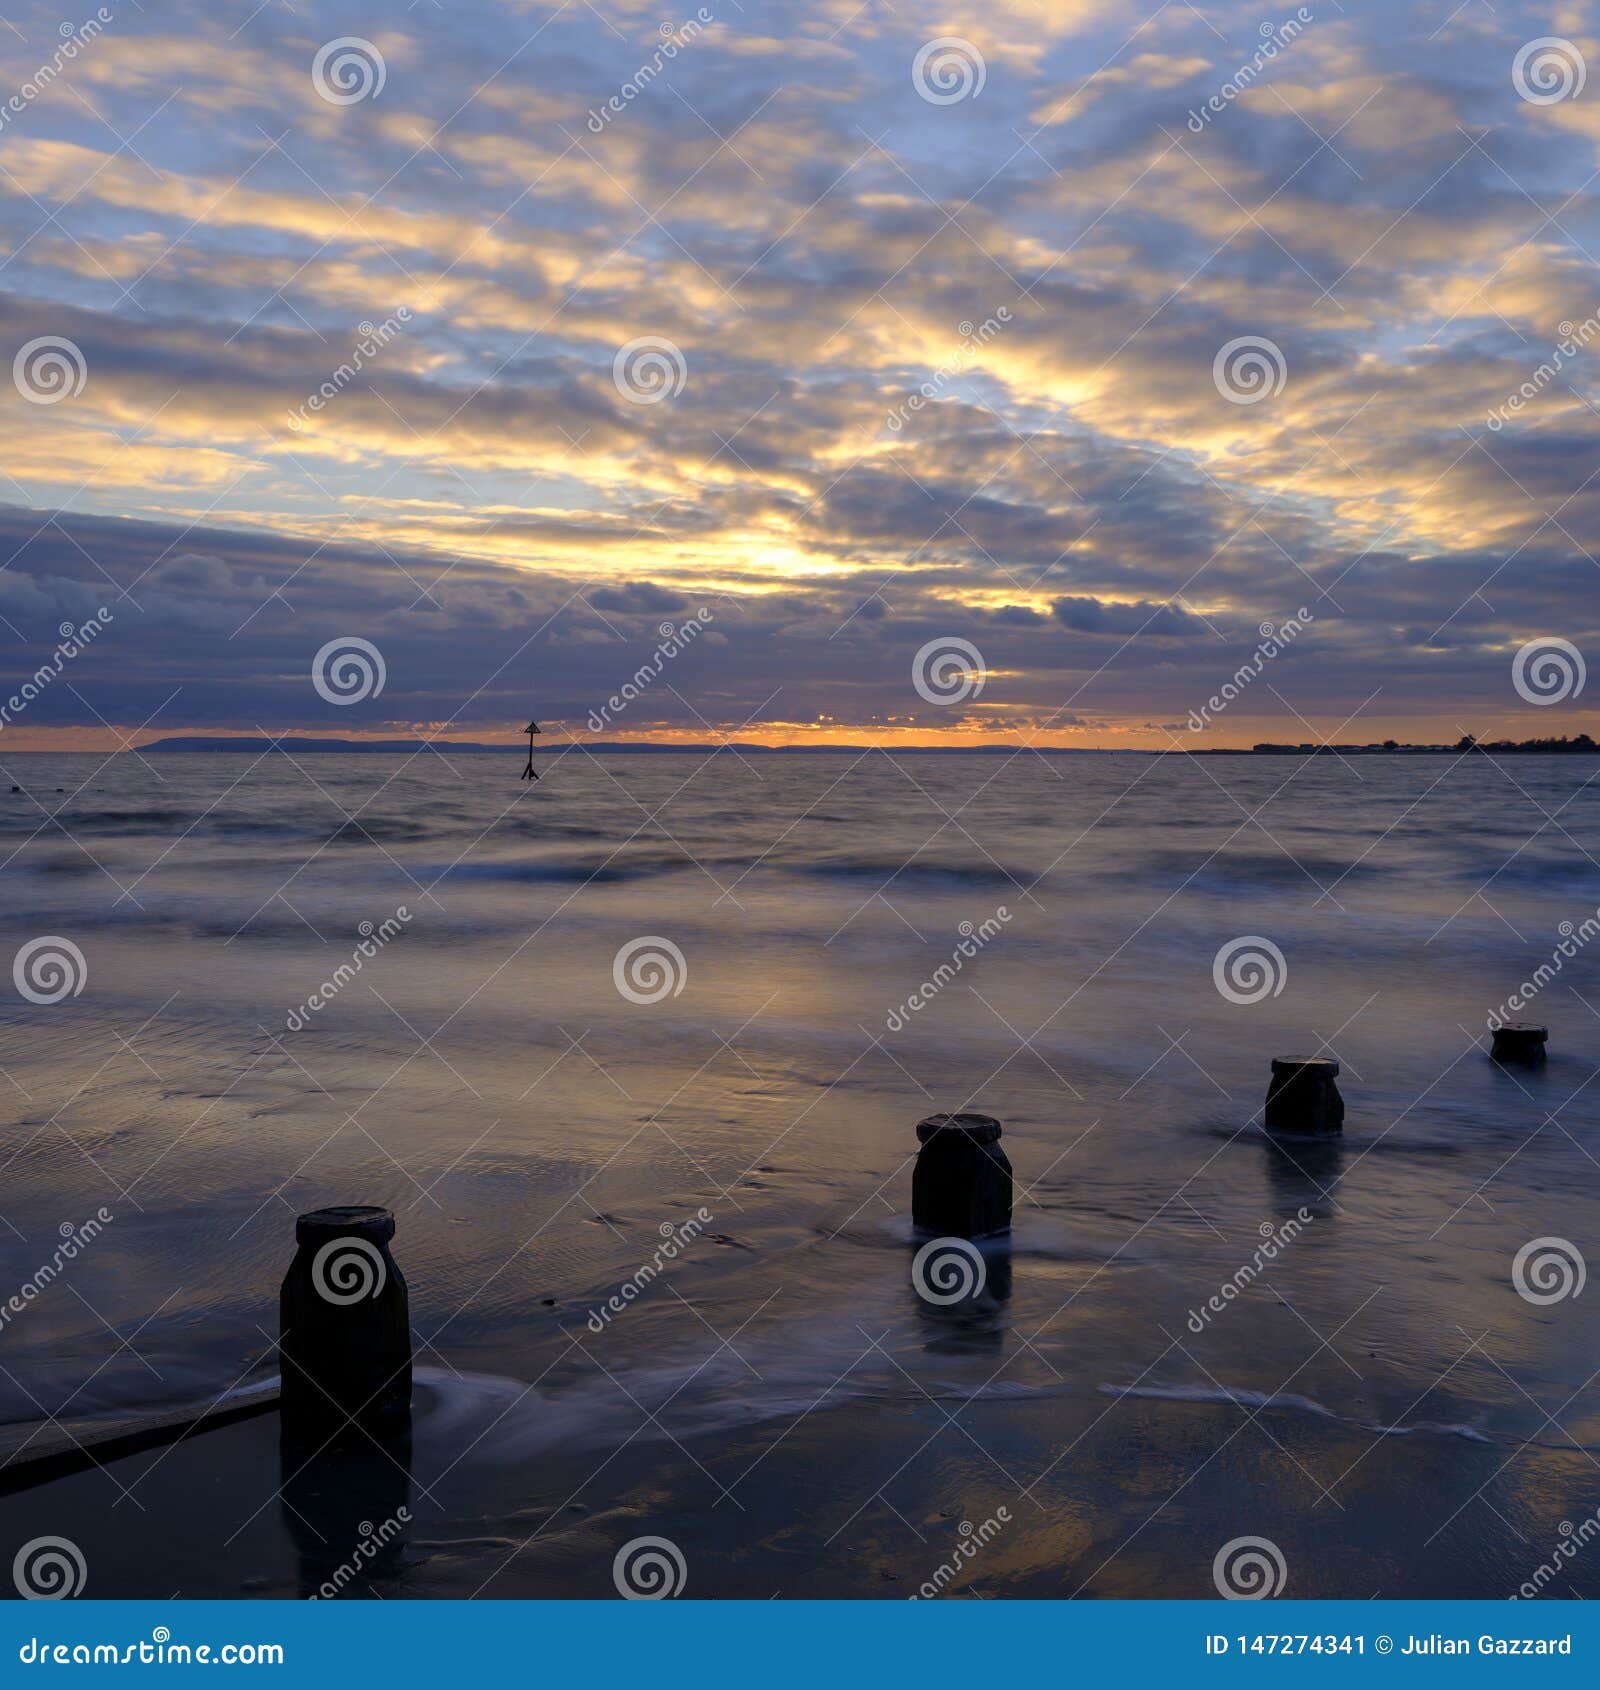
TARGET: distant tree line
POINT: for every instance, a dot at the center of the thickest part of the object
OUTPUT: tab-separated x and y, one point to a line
1581	744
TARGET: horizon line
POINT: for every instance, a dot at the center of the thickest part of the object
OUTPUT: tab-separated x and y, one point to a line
236	742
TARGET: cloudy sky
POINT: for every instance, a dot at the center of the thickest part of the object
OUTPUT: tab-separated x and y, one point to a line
1057	344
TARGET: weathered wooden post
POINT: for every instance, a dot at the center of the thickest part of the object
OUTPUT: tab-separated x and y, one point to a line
1519	1041
1302	1096
344	1336
961	1186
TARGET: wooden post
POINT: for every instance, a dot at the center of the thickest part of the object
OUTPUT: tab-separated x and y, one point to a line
961	1186
344	1326
1520	1041
1302	1096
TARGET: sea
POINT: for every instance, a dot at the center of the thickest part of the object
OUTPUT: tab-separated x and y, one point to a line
636	1053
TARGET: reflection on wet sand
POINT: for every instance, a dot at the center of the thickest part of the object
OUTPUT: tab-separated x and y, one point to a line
347	1507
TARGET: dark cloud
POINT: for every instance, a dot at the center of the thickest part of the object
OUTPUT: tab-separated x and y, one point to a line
1139	620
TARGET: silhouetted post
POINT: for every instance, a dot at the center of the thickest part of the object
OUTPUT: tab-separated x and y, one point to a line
1519	1041
1302	1096
344	1325
961	1186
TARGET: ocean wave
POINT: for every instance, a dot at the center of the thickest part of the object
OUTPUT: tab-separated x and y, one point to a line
561	870
1290	1402
376	830
1230	871
542	827
65	864
128	821
915	872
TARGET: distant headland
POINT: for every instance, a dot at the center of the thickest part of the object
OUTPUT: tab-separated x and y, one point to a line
1582	745
291	742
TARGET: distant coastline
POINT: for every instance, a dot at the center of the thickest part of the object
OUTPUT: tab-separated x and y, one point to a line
192	744
1581	745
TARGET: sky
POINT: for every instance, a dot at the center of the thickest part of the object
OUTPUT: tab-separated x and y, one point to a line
1052	372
